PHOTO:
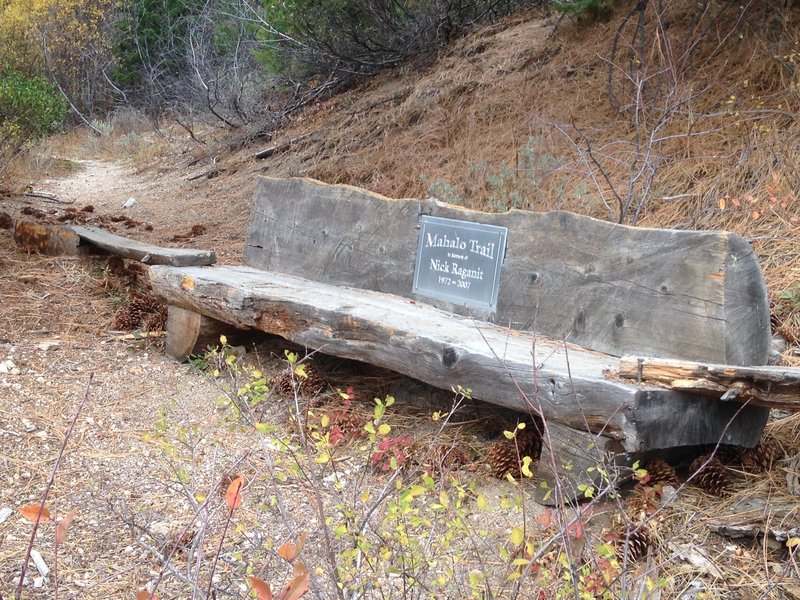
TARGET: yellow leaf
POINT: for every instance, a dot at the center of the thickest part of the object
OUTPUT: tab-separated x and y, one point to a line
384	429
481	502
517	536
526	466
722	203
792	542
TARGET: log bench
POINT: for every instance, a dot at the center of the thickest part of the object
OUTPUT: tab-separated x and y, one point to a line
333	268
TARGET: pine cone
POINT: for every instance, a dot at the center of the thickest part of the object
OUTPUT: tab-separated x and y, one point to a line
661	473
285	383
712	477
763	457
641	504
127	318
728	454
314	383
638	544
445	457
529	441
155	321
503	459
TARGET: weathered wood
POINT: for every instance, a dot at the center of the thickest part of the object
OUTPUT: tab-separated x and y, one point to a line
147	253
615	289
507	367
188	330
569	464
772	387
183	327
774	515
45	239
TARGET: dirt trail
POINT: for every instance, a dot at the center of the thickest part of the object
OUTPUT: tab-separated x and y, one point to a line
151	437
54	335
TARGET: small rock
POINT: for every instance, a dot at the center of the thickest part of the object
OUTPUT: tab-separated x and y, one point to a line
41	566
5	512
29	425
129	202
45	346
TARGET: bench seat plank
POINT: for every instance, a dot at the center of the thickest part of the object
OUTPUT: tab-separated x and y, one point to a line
147	253
569	384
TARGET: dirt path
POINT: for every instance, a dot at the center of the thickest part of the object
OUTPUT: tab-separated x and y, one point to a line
54	336
151	439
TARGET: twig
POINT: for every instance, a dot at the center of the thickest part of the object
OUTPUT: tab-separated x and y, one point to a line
48	197
67	435
267	152
222	538
210	174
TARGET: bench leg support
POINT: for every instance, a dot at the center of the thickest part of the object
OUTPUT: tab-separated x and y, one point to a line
187	329
578	457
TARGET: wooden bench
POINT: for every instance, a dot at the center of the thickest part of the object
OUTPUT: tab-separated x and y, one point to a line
332	268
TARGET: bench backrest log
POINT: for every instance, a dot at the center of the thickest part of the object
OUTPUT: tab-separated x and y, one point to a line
611	288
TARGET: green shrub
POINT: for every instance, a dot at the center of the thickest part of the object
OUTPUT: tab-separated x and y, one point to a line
595	10
350	37
30	108
31	105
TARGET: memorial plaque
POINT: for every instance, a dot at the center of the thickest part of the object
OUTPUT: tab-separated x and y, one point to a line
459	261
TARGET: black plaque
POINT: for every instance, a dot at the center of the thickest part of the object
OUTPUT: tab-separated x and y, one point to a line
459	261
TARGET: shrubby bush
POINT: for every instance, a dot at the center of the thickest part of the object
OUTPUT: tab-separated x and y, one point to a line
30	108
351	37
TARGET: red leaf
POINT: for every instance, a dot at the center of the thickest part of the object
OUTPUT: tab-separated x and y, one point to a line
234	494
289	551
261	587
296	588
545	519
31	512
63	527
145	595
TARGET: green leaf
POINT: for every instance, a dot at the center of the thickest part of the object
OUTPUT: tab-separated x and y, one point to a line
476	578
